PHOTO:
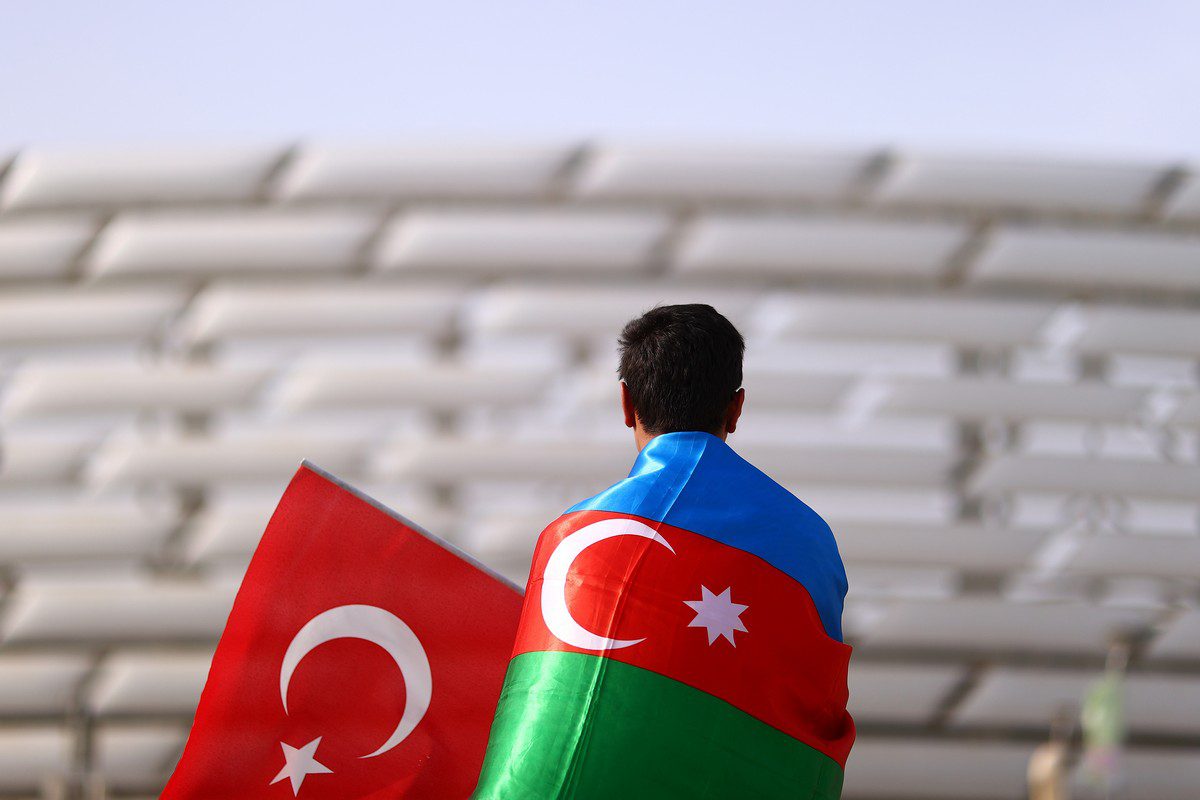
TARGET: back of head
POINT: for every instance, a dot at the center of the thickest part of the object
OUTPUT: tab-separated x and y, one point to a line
682	365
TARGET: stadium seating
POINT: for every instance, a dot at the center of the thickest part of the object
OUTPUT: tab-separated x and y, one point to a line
983	371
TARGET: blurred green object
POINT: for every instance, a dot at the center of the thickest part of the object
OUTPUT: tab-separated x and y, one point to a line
1103	721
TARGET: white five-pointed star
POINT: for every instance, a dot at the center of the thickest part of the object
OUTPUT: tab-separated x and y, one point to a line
300	762
717	613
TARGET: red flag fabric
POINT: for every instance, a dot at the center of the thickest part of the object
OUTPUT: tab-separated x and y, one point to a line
725	637
363	658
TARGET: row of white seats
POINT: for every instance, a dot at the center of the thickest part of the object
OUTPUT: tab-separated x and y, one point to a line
62	507
191	460
571	242
52	611
906	769
41	178
139	757
57	389
901	525
310	310
876	554
166	684
126	683
989	625
129	756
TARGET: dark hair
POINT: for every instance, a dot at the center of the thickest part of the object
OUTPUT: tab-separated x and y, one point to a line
682	364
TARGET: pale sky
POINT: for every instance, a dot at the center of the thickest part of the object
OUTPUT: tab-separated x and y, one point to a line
1069	77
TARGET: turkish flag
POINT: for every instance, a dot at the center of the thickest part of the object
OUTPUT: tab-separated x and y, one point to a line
363	658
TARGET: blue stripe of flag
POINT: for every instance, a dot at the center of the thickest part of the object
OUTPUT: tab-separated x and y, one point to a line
695	481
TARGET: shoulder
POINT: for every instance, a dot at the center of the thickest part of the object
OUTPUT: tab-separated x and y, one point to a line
759	494
715	492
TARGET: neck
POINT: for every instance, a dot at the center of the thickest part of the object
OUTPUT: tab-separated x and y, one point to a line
642	437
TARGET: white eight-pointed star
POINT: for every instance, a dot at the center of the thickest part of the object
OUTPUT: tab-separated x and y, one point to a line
300	761
717	613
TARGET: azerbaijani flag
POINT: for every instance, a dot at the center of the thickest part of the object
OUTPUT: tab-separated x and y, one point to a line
680	637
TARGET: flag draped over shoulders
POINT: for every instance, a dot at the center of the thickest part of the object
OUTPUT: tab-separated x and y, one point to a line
680	637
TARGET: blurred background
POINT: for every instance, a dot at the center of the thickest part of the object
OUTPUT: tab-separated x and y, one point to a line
962	240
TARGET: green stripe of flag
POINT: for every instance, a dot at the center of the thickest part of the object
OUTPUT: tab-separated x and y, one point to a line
583	726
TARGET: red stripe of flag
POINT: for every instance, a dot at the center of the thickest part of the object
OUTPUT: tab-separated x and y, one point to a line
783	669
